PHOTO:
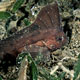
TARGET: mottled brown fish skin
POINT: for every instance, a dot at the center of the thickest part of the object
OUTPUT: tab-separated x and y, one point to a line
45	31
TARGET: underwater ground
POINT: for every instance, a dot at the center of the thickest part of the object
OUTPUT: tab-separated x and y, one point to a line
64	63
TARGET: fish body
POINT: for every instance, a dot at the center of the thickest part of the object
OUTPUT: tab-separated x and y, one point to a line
46	31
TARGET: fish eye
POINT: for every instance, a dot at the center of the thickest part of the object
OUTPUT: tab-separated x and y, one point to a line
60	38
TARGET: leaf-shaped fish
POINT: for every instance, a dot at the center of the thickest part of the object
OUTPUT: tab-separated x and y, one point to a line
45	31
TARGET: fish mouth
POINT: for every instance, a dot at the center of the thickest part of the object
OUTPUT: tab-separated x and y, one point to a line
58	45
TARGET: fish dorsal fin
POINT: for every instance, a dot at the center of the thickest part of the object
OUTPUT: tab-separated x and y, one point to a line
48	17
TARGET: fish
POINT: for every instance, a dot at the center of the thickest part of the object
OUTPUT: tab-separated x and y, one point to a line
46	32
